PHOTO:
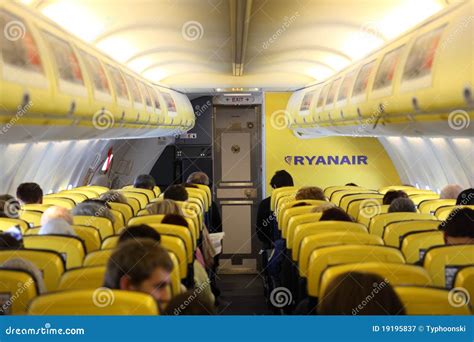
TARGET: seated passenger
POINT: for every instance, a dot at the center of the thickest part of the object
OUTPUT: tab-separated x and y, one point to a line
190	303
95	208
144	182
356	293
466	197
141	231
164	207
28	266
57	226
335	214
29	193
113	196
176	193
402	205
56	213
450	191
321	208
310	193
459	227
140	265
9	206
392	195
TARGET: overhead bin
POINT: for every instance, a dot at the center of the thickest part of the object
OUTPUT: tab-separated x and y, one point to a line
55	87
418	84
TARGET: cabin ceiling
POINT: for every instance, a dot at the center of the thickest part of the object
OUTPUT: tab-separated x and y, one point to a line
201	45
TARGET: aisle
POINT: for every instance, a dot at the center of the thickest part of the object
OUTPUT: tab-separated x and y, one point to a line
242	294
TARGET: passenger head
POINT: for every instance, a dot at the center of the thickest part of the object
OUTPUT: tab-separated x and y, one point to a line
141	231
29	193
280	179
355	293
164	207
310	193
198	178
177	220
8	242
93	208
190	303
113	196
466	197
351	184
176	193
335	214
402	205
392	195
144	182
56	213
323	207
57	226
459	227
28	266
9	206
450	191
140	265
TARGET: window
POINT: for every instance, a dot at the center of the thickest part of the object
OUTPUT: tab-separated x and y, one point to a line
96	73
156	100
306	103
362	80
118	82
332	91
132	87
170	104
387	69
346	86
322	95
145	93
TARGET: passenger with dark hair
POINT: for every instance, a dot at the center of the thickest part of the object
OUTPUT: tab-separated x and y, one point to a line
392	195
29	193
357	293
190	303
141	231
177	220
310	193
335	214
281	179
402	205
176	193
144	182
466	197
351	184
458	228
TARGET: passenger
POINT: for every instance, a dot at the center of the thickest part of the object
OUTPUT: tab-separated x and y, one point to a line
198	178
458	228
176	193
402	205
356	293
9	206
466	197
141	231
310	193
392	195
321	208
29	193
56	213
28	266
9	242
190	303
144	182
164	207
93	208
57	226
140	265
114	197
450	191
351	184
335	214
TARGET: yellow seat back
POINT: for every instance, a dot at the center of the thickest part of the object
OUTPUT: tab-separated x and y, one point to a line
71	248
141	198
443	213
157	190
125	209
176	246
337	196
430	206
17	288
180	232
282	200
207	190
110	242
150	194
50	263
6	223
291	204
103	224
60	202
82	278
465	280
296	221
86	192
394	274
443	262
379	222
429	301
276	193
347	200
96	188
385	189
101	301
332	189
201	195
90	236
368	211
312	242
418	198
119	221
394	231
175	275
75	197
415	244
322	258
36	207
289	213
97	258
32	217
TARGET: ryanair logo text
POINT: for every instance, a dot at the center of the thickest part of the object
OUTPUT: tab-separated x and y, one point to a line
326	160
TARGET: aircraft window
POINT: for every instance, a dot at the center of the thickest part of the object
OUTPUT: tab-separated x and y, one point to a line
96	72
362	80
346	86
132	86
66	60
156	100
420	60
169	102
145	93
323	94
306	103
332	91
387	68
17	44
118	82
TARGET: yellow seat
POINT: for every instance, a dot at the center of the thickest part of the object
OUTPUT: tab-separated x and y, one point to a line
307	229
367	212
322	258
96	188
290	213
430	206
110	242
418	198
36	207
125	209
180	232
75	197
337	196
17	288
82	278
276	193
299	220
6	223
443	213
415	244
332	189
119	220
282	200
32	217
140	197
379	222
157	190
291	204
175	275
60	202
207	190
465	280
103	224
395	274
201	195
429	301
394	231
150	194
134	204
101	301
97	258
443	262
312	242
414	191
86	192
385	189
361	199
90	236
50	263
71	248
